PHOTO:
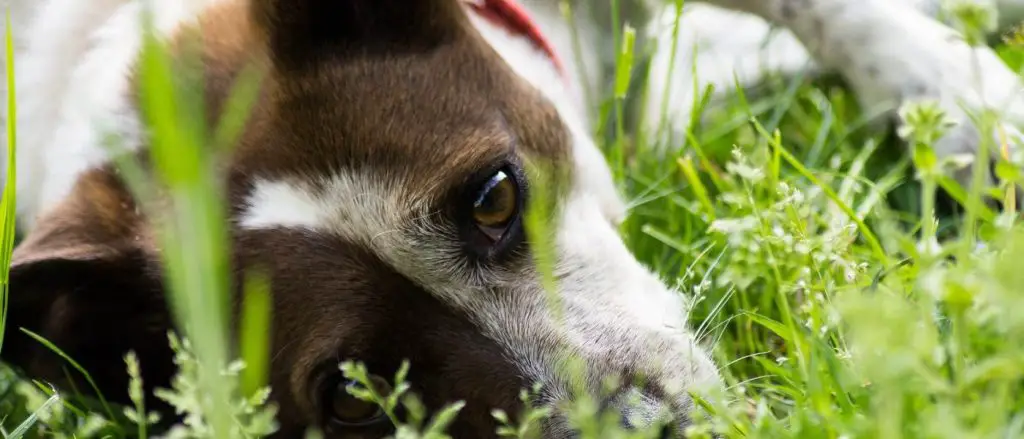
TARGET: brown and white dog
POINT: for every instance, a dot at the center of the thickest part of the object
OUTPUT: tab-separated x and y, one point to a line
381	181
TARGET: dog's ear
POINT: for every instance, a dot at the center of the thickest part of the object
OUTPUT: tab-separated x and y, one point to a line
84	280
302	31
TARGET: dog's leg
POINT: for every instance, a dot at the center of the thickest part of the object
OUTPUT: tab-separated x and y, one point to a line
714	47
891	53
722	48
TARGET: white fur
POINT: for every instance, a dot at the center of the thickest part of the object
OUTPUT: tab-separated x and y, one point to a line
362	207
72	78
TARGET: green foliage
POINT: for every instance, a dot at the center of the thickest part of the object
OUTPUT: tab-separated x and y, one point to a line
414	427
250	416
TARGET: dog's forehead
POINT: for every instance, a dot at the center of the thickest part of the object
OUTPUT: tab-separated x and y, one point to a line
435	118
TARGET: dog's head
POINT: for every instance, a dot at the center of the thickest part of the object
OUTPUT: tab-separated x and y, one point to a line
382	182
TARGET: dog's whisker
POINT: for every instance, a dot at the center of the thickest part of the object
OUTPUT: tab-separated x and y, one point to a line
742	358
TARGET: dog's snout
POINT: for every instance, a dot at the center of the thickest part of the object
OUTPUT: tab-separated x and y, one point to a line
641	409
637	409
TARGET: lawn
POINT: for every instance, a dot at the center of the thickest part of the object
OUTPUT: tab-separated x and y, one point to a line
836	305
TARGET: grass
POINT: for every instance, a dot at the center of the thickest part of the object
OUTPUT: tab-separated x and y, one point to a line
836	302
7	203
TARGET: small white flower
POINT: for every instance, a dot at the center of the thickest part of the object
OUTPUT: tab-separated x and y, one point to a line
745	171
733	225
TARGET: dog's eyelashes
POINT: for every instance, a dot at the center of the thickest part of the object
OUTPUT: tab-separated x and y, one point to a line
496	205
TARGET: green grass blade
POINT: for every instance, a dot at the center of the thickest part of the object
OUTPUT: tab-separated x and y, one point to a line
33	418
74	364
255	333
8	203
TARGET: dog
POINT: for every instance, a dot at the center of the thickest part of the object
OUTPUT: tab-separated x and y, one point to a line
381	181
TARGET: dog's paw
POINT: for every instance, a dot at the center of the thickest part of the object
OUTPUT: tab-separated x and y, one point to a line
711	49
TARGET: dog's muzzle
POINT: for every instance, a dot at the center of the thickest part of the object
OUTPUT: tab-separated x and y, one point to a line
637	410
641	410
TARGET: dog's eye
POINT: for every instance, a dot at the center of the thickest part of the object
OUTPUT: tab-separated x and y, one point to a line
488	212
496	205
346	410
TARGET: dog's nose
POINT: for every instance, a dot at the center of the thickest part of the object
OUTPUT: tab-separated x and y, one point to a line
637	409
642	410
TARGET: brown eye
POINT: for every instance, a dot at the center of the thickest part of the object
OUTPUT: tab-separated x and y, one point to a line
347	410
496	205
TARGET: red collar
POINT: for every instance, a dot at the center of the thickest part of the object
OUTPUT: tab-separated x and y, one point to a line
513	17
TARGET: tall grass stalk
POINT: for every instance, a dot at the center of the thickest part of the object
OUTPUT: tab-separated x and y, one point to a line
8	208
192	232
